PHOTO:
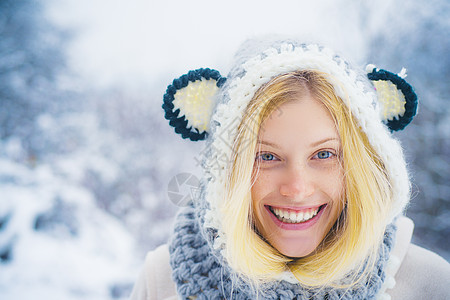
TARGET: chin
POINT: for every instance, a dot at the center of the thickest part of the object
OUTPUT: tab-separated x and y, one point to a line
296	252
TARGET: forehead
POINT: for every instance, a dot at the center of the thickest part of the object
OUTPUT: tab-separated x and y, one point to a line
303	118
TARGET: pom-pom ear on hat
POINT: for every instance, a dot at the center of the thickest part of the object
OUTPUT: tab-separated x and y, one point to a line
189	102
396	96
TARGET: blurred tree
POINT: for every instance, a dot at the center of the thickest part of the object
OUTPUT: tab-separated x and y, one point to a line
31	57
420	43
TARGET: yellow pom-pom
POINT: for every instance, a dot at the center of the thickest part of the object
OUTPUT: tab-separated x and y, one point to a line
391	99
196	102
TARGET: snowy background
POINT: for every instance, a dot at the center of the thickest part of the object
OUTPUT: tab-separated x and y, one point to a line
86	155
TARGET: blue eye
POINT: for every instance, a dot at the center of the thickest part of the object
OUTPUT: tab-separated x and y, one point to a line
323	154
266	157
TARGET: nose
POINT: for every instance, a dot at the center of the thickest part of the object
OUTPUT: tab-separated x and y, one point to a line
296	183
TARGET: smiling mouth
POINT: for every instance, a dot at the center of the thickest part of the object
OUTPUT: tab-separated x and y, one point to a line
295	217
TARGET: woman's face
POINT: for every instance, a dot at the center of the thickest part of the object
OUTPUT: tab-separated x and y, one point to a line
298	179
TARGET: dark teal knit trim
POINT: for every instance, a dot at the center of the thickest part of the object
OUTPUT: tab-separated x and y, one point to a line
179	122
408	92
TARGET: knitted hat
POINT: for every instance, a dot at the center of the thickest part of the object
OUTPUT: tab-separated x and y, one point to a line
204	105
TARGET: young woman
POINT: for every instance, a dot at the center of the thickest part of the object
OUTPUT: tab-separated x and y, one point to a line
304	185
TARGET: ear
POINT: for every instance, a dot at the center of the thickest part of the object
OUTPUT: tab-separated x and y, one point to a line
396	96
189	102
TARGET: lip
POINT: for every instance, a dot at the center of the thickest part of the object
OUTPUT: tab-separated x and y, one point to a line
298	226
296	208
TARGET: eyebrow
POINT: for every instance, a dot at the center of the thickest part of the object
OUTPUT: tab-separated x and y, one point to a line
325	140
269	144
314	144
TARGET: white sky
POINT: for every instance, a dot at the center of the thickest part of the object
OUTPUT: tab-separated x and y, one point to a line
144	42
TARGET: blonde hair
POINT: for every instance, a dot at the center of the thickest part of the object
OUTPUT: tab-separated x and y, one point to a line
351	246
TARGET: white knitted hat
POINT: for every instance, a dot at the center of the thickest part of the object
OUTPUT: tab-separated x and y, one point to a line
203	103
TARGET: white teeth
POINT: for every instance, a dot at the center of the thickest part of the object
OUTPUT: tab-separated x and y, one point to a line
293	216
301	217
277	211
307	215
289	216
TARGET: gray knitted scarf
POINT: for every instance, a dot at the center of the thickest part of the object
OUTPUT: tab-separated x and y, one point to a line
200	273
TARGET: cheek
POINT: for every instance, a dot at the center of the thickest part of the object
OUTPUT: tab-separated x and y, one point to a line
256	194
336	186
260	191
257	191
330	182
262	185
